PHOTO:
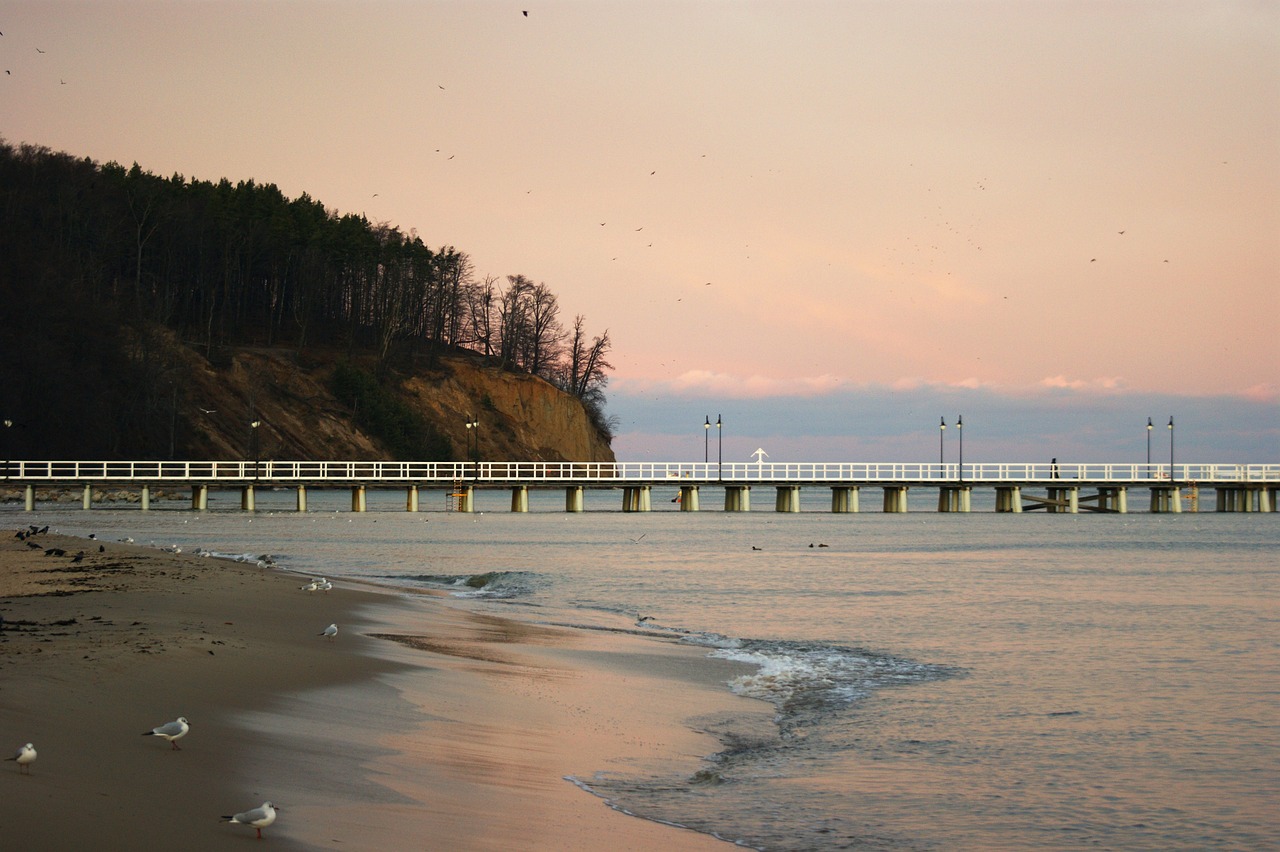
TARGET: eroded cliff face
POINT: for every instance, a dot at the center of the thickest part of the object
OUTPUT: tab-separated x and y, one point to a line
521	418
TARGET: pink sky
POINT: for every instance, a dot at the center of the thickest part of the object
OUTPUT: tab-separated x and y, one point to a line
756	199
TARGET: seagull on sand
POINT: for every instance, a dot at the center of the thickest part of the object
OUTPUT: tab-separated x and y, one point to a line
25	756
171	731
330	631
259	818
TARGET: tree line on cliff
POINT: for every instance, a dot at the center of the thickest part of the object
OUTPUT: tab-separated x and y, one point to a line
90	255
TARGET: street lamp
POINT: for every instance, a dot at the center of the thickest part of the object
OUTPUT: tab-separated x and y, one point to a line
1171	449
719	448
706	440
254	436
473	428
960	432
8	451
942	431
1148	447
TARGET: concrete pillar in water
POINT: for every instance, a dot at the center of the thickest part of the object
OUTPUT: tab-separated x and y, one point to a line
466	497
29	498
300	495
199	497
844	499
146	497
573	499
688	498
1266	499
636	498
788	499
411	498
359	502
1166	498
520	498
737	498
1114	498
87	500
895	499
955	498
246	498
1008	498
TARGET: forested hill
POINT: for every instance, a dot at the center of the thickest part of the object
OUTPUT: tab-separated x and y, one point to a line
117	284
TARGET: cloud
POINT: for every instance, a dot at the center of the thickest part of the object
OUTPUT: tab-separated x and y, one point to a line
1103	384
703	382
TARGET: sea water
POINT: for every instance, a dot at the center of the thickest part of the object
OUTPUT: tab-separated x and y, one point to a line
939	681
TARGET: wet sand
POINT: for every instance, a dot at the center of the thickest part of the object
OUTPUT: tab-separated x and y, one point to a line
420	726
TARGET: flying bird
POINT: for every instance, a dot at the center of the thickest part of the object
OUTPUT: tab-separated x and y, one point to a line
171	731
258	818
329	632
38	50
522	12
25	756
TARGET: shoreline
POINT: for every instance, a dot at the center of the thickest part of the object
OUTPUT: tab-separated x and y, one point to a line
421	725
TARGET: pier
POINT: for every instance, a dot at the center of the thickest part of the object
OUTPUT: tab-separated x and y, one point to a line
1018	487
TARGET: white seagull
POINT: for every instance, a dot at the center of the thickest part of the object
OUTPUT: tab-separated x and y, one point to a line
171	731
259	818
330	631
25	756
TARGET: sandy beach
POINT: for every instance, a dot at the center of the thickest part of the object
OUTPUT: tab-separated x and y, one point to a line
420	726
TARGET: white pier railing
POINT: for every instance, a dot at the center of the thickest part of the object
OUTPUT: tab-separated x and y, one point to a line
605	474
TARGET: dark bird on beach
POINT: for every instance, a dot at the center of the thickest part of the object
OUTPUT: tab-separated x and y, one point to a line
55	551
44	529
20	535
34	545
93	536
79	557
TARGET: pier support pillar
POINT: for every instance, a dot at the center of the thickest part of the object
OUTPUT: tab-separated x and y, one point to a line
300	498
844	499
1113	499
29	498
145	499
520	498
737	498
411	498
788	499
1267	499
955	498
1008	498
1166	498
573	501
1065	500
359	503
199	497
688	498
636	498
86	501
465	496
246	498
895	499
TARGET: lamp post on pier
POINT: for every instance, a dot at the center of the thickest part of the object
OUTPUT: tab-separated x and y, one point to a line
942	431
473	428
1171	476
960	432
253	439
8	448
1148	447
706	440
719	448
